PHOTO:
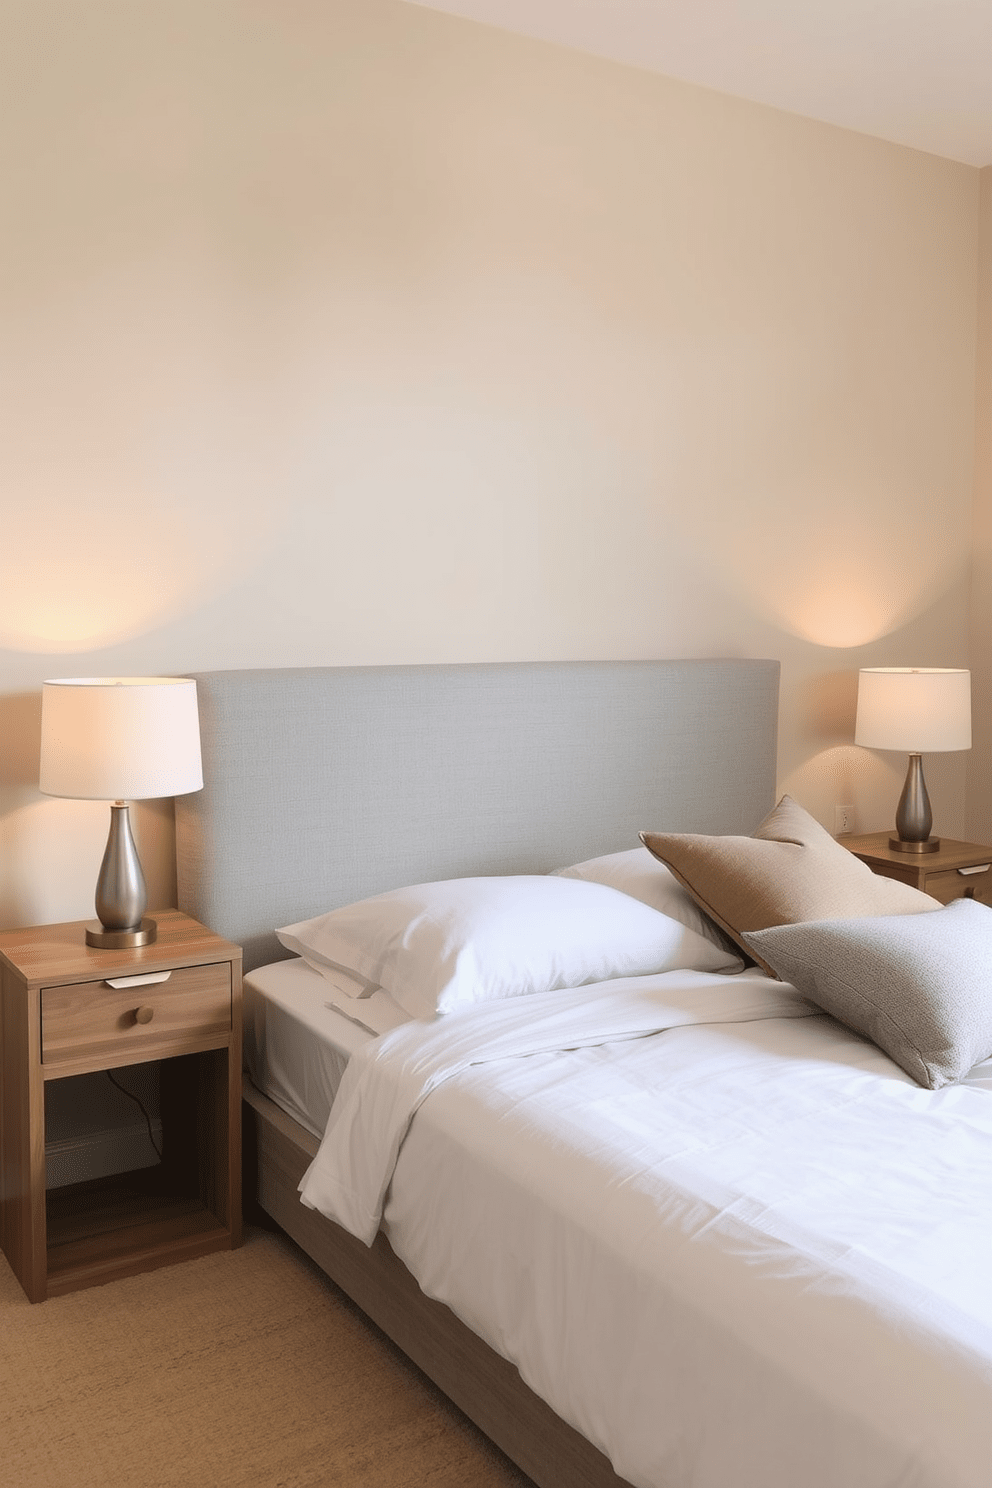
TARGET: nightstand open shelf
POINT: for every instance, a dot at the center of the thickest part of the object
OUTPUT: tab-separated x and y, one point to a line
67	1009
110	1227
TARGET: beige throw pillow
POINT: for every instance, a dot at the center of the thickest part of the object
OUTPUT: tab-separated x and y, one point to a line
791	870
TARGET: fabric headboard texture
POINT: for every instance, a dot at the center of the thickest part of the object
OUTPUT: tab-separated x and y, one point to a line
325	785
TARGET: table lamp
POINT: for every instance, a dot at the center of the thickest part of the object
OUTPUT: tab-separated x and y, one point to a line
921	710
120	739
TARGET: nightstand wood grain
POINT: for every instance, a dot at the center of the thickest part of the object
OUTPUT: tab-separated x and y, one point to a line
60	1016
958	870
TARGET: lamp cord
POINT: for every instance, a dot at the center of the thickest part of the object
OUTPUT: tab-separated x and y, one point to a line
141	1107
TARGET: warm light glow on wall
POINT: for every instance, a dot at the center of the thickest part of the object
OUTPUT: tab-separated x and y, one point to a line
843	767
139	456
844	774
845	602
85	568
829	572
66	587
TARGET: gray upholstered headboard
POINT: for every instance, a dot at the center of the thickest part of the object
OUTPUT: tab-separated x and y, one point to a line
329	784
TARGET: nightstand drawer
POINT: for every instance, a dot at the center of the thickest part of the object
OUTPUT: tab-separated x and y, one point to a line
953	884
131	1023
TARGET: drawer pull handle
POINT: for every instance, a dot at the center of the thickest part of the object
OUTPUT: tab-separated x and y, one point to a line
978	868
139	981
144	1014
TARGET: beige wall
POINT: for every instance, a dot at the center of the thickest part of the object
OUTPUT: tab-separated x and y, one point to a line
979	772
351	332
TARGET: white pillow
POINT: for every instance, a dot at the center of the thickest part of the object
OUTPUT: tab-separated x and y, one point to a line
638	873
440	946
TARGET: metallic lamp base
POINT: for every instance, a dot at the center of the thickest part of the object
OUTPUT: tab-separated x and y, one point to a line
932	844
120	940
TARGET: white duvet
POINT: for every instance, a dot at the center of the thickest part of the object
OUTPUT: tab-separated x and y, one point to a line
729	1241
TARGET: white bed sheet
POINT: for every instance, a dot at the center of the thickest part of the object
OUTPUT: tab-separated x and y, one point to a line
779	1245
299	1034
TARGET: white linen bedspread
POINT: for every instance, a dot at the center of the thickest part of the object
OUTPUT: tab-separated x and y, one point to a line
746	1253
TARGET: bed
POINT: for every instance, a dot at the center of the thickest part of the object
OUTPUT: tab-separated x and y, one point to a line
328	786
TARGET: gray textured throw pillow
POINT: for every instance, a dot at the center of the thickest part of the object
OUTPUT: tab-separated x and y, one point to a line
919	986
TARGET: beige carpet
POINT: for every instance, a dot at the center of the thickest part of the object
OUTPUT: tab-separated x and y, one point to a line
245	1368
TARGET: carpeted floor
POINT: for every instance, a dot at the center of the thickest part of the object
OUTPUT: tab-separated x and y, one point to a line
245	1369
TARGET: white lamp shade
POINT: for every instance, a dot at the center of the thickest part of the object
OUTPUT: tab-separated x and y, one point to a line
917	710
120	738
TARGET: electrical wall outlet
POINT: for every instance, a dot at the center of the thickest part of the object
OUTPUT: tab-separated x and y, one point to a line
843	820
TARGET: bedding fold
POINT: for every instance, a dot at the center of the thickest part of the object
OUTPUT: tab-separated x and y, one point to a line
388	1079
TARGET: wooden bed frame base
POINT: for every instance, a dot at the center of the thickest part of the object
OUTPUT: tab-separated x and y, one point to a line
479	1381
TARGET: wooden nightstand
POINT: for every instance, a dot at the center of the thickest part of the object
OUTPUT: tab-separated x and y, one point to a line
957	870
61	1014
